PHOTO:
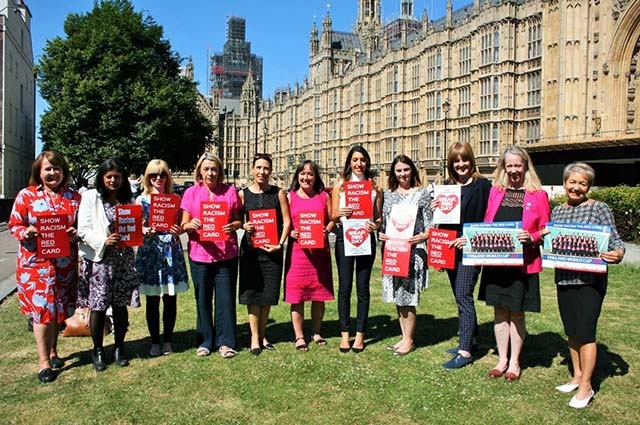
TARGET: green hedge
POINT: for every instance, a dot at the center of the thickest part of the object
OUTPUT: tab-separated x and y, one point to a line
624	201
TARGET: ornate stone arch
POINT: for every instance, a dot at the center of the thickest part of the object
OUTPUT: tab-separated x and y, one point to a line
622	66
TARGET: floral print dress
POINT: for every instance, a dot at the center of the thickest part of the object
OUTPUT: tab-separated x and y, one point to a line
46	287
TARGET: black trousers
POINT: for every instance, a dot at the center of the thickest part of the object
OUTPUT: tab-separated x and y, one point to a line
362	265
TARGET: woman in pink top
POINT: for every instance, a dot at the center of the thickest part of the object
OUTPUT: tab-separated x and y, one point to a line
308	270
516	195
214	264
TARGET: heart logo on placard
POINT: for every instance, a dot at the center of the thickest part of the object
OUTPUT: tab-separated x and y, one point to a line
356	236
401	221
447	203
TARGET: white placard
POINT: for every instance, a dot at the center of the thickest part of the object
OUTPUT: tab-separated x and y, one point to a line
449	210
357	239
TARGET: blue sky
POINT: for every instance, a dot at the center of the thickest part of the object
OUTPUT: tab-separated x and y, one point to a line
277	29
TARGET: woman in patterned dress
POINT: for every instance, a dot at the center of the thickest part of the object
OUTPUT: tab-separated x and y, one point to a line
405	188
160	264
107	273
581	294
261	267
46	286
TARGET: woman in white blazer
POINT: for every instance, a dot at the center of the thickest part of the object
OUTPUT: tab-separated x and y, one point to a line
107	274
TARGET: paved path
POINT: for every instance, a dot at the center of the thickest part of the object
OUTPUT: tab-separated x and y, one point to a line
9	246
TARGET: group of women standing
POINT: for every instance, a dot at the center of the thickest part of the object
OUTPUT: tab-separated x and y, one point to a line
112	275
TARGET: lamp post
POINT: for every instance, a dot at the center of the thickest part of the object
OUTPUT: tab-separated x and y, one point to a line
445	110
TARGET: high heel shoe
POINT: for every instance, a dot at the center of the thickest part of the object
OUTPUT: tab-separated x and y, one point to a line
98	356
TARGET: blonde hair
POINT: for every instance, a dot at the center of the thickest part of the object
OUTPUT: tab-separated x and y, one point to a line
531	180
197	177
157	166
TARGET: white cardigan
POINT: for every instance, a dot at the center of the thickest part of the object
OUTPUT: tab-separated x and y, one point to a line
93	226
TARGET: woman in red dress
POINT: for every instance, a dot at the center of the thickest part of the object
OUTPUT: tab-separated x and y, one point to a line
46	286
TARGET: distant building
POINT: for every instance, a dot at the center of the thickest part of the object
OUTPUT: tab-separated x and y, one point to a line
230	69
17	98
558	77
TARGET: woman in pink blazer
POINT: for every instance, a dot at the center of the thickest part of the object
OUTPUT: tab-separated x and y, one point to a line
516	195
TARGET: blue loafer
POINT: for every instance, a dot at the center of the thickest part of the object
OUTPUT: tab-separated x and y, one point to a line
458	361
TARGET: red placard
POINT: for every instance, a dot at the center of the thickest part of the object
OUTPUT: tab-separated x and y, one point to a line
311	229
265	227
396	257
53	239
129	225
163	212
441	255
214	216
358	198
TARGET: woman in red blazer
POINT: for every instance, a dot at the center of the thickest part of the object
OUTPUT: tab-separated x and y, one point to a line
516	195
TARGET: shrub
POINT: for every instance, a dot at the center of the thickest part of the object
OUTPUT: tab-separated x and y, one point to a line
624	202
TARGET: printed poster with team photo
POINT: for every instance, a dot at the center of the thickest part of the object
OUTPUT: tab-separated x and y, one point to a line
357	239
574	246
492	244
449	210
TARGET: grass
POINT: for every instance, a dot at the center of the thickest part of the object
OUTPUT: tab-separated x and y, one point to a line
323	385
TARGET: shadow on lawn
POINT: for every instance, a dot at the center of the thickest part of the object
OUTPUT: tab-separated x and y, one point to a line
608	365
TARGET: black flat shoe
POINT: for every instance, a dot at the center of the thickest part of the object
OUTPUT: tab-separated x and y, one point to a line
56	363
119	358
344	350
357	350
256	351
99	363
47	375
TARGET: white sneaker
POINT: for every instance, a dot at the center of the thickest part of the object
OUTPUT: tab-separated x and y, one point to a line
155	350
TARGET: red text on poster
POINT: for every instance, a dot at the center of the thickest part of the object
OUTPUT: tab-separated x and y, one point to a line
311	229
358	198
163	212
265	227
53	239
214	216
396	257
441	255
129	225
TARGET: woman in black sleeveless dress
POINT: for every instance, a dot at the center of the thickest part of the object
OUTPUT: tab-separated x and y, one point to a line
261	266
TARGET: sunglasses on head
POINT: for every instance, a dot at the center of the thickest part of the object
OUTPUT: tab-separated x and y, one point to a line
262	156
162	175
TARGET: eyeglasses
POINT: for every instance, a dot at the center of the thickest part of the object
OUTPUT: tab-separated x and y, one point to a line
262	156
154	176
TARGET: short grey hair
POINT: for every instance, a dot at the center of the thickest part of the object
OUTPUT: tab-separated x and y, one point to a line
579	167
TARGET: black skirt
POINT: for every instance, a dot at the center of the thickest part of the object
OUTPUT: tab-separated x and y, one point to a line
511	288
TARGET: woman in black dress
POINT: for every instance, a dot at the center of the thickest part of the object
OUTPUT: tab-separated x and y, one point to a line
261	267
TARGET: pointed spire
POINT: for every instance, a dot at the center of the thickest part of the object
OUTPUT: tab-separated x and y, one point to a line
314	42
449	13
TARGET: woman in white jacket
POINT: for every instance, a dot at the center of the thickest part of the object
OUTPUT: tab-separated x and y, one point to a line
107	274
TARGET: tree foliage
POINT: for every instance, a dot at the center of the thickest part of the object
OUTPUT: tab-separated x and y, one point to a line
114	90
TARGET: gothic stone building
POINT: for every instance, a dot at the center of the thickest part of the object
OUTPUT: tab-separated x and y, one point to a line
555	76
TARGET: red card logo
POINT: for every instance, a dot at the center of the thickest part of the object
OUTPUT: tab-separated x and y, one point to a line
356	236
447	203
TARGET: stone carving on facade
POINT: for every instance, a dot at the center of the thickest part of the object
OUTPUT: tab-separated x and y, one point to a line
619	7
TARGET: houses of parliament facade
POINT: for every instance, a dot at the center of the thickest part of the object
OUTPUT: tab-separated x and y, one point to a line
557	77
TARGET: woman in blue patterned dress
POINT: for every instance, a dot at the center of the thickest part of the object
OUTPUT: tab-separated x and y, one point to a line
160	264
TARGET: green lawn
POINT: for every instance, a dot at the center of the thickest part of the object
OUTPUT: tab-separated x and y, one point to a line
324	386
